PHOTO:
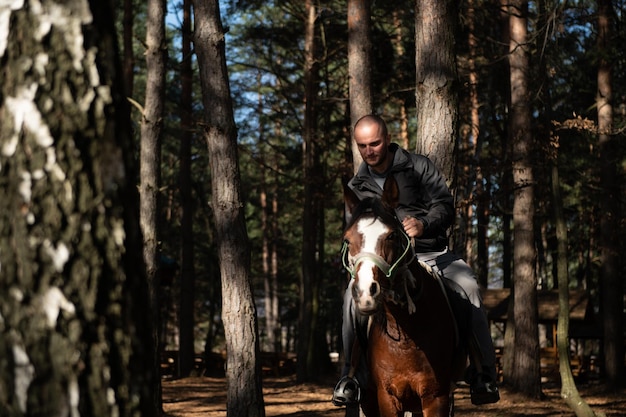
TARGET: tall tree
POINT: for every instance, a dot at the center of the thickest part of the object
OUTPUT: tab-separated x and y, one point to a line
525	373
74	339
243	370
436	80
150	155
187	289
312	213
612	288
269	208
359	67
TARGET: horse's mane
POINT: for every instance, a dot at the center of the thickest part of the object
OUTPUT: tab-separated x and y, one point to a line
377	208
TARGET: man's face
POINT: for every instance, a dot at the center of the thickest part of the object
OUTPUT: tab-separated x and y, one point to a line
372	145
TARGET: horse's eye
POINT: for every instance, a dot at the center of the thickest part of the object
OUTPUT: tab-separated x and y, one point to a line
391	236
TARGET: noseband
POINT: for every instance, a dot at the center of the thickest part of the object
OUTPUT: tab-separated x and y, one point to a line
376	259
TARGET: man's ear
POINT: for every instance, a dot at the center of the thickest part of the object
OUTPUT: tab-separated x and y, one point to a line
390	192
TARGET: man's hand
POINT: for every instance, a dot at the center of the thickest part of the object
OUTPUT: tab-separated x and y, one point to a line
413	227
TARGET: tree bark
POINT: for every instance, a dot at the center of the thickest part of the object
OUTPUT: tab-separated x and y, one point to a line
268	204
436	78
150	158
359	68
612	298
129	53
569	392
307	319
525	375
243	371
74	339
187	278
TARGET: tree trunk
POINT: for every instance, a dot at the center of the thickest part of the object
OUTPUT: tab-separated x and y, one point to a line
525	375
274	283
400	102
436	78
129	53
74	339
243	371
273	247
150	158
507	180
311	211
359	67
507	176
151	128
569	392
186	323
478	260
268	246
611	286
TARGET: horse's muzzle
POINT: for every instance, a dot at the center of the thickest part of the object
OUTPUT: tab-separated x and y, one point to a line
365	299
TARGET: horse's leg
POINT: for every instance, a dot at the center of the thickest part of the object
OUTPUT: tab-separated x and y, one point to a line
388	405
436	406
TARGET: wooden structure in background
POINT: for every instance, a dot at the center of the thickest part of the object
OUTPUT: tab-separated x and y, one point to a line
583	325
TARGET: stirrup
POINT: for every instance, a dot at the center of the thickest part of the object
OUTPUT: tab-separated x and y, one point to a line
347	391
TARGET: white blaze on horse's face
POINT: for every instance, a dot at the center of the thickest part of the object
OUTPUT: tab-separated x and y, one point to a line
365	288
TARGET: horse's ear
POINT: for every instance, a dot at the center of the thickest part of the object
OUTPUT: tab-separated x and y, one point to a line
390	192
350	201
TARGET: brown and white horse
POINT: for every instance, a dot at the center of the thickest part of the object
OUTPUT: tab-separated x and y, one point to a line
412	350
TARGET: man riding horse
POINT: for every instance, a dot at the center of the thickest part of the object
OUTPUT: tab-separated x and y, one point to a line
426	209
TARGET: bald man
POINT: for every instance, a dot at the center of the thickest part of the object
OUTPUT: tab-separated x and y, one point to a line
426	210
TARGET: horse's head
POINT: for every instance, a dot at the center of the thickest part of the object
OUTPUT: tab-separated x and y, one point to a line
375	245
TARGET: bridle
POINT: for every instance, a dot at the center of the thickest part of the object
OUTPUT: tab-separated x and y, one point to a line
387	269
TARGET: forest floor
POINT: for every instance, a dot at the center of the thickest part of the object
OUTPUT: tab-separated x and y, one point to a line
206	397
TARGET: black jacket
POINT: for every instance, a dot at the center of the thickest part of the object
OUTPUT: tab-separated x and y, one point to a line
423	194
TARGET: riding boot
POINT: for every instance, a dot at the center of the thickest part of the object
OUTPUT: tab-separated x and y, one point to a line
354	372
460	278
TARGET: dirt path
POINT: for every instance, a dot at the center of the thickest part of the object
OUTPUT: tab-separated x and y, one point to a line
206	397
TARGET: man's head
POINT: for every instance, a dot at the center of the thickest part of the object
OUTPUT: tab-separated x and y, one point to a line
372	139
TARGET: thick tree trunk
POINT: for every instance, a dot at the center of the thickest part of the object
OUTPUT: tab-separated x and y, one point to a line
611	281
187	278
359	67
525	375
243	371
74	339
436	78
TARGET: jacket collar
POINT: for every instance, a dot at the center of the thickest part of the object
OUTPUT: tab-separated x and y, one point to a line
401	158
